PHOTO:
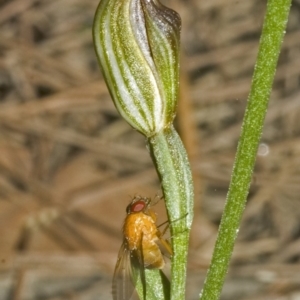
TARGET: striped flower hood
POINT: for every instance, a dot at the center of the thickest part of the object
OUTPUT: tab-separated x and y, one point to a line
137	45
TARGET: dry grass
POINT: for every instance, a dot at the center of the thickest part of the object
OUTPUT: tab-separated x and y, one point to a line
69	164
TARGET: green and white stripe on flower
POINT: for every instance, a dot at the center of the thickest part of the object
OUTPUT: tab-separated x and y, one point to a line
137	44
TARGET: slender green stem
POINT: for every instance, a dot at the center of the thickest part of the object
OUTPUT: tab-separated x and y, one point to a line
170	159
269	49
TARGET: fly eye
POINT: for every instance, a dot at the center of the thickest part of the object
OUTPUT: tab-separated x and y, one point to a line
136	206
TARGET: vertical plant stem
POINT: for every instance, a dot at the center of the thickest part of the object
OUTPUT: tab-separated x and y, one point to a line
170	159
269	49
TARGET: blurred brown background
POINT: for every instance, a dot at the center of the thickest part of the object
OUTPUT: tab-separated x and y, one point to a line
69	164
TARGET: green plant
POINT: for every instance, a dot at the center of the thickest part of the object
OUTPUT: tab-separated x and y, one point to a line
137	44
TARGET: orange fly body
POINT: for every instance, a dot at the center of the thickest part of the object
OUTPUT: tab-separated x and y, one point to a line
140	245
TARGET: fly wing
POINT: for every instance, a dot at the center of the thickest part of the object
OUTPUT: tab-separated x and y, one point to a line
122	285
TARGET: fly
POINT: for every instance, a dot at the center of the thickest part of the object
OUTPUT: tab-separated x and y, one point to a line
140	248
